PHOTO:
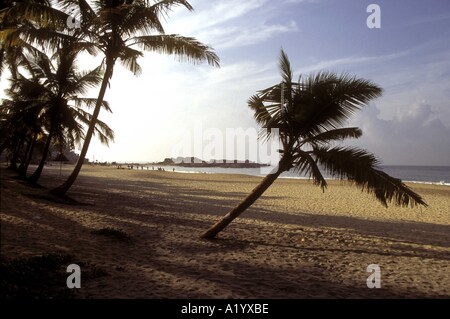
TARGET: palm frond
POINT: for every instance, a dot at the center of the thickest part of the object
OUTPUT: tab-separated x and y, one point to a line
163	7
129	59
326	101
185	48
47	38
85	10
285	68
141	19
261	113
104	132
305	164
339	134
84	81
90	103
361	167
40	12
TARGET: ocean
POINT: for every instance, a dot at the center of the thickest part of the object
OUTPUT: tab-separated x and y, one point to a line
418	174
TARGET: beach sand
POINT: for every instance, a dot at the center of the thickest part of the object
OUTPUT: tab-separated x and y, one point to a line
294	242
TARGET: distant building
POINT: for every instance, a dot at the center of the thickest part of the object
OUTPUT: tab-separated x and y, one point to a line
168	161
70	155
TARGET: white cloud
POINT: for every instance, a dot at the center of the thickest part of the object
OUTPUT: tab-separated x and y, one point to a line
237	37
232	23
415	138
347	61
426	82
208	15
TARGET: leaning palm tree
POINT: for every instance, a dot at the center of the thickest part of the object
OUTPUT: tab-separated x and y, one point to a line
309	116
120	30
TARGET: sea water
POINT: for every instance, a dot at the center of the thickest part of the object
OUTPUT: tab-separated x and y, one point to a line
419	174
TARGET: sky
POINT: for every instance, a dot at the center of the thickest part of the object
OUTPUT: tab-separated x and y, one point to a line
172	101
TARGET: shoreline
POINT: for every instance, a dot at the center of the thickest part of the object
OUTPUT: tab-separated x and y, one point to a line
170	167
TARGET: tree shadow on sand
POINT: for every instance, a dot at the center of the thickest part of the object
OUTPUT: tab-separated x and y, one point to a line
165	221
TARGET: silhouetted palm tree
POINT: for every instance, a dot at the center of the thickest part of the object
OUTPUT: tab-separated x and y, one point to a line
309	123
12	21
121	29
30	30
15	18
52	94
21	121
23	22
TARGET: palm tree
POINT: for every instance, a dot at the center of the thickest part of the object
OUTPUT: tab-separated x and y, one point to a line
120	30
29	18
25	26
310	121
21	122
62	107
51	96
15	17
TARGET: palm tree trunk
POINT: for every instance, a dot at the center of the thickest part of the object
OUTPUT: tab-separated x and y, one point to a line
23	162
246	203
30	154
62	189
15	157
37	173
2	148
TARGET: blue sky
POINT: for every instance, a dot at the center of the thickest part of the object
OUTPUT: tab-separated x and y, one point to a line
408	56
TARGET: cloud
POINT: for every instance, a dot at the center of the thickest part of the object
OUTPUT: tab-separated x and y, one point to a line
426	83
208	15
415	137
232	23
427	19
233	37
351	61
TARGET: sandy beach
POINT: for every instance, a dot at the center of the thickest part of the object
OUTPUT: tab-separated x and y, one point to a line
295	242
